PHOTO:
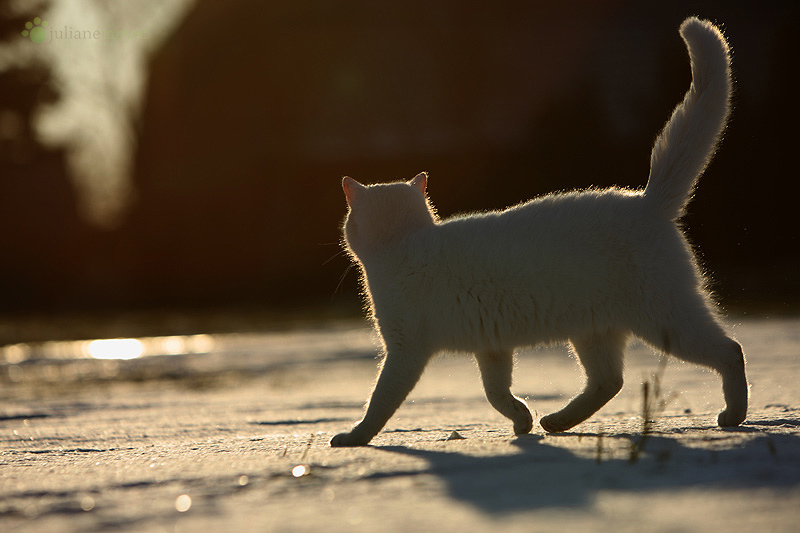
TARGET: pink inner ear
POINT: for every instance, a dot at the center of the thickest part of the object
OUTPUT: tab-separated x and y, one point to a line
420	181
351	188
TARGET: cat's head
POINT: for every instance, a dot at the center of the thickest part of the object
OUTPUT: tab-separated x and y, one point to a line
382	213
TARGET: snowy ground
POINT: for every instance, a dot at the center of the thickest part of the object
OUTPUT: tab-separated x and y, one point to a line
237	440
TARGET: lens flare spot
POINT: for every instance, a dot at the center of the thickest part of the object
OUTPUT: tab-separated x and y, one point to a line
87	503
116	348
16	353
183	503
173	345
200	343
299	471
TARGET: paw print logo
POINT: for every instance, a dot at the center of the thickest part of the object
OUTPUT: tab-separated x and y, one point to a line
35	30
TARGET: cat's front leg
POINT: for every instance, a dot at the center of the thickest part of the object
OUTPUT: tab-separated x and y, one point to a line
601	357
400	371
496	368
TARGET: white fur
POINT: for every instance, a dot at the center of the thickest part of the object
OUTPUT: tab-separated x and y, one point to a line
591	268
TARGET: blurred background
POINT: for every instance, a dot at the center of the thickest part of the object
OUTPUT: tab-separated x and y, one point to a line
174	166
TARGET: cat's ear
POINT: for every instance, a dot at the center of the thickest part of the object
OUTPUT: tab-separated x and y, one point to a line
420	181
352	189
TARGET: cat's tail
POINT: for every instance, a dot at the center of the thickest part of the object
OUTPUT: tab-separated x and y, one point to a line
686	144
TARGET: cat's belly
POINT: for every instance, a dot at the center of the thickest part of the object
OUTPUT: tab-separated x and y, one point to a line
477	324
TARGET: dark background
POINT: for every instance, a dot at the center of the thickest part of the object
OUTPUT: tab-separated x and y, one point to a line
255	110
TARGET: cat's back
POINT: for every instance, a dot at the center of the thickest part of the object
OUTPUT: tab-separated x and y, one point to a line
574	216
556	239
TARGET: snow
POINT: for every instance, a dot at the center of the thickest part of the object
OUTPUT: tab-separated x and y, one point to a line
237	440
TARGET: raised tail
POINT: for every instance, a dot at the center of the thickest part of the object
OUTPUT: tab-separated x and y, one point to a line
686	144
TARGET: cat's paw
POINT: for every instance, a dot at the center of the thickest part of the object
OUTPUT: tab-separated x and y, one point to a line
523	421
730	418
553	424
348	439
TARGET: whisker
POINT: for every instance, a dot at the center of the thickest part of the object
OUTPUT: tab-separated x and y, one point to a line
341	280
334	256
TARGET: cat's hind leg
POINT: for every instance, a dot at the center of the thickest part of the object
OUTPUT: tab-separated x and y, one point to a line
496	368
601	357
693	334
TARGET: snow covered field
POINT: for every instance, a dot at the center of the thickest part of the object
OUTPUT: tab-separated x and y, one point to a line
236	439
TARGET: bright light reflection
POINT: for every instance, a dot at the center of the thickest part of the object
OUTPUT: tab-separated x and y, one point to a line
115	348
16	353
174	345
183	503
201	343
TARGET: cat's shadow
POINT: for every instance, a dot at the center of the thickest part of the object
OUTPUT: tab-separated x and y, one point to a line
540	473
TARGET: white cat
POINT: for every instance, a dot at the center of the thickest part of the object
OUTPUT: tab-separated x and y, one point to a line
591	268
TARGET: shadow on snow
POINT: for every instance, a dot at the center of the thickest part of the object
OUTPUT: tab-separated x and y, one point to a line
543	475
